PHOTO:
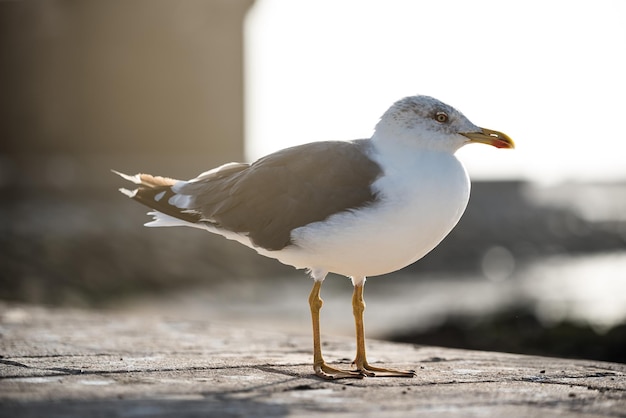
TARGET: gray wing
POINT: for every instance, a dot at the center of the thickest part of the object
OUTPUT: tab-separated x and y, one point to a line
286	190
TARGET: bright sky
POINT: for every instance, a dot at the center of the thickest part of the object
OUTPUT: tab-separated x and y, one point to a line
550	74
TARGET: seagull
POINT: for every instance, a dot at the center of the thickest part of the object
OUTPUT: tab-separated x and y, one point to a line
357	208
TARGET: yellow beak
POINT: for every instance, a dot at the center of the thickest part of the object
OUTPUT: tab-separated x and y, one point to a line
489	137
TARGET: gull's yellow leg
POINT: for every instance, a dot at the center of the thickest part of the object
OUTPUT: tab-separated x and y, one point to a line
319	365
358	307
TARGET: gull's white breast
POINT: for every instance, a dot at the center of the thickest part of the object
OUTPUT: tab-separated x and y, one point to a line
420	201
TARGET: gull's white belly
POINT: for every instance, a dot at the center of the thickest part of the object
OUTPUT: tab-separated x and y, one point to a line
416	211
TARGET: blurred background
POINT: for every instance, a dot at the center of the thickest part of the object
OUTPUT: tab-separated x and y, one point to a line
537	264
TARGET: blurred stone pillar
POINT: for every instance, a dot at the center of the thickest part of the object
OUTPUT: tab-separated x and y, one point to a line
136	85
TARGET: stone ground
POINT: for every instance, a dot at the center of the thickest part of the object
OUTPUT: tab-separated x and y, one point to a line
78	363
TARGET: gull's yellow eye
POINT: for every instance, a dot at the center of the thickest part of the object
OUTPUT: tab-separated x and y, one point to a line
441	117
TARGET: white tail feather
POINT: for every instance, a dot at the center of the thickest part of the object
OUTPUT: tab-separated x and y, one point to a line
129	193
134	179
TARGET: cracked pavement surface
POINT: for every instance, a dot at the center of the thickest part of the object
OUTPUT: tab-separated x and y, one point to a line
76	363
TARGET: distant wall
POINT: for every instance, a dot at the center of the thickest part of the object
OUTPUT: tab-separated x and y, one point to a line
133	84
